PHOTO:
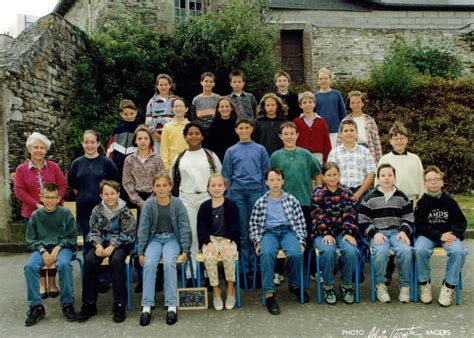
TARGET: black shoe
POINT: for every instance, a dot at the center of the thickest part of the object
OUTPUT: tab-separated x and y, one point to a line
53	294
145	318
69	312
296	291
171	317
103	287
272	305
119	312
44	295
139	288
35	314
87	310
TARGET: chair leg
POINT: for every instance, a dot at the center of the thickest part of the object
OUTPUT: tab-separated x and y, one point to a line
308	266
458	289
129	286
372	278
302	281
318	279
254	282
244	272
356	279
237	283
183	275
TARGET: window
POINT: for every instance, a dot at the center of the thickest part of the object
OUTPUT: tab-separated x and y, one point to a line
185	8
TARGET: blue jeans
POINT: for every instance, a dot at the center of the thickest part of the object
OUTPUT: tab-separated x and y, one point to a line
456	257
272	240
403	252
64	267
328	259
245	201
165	245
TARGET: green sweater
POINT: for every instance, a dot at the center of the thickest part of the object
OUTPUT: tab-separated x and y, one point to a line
48	229
299	167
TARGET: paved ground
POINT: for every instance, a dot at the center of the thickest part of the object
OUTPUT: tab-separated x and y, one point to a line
308	320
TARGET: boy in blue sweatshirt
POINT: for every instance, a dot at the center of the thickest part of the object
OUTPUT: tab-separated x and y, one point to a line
244	167
439	222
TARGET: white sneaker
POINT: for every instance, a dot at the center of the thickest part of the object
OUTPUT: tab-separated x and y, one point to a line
218	303
230	302
382	293
425	293
277	279
404	295
445	296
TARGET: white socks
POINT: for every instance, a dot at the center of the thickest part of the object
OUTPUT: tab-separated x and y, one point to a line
146	309
172	308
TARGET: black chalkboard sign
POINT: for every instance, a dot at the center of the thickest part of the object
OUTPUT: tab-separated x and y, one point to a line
192	299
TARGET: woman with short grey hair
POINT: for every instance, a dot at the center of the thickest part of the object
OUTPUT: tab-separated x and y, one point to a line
30	178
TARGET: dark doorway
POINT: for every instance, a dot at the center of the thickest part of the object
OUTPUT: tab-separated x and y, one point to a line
292	54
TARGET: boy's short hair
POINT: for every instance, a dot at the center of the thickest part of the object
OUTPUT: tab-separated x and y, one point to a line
114	185
127	104
398	128
50	187
162	174
193	124
288	124
144	128
208	74
237	72
345	122
281	73
243	120
386	165
435	169
325	71
278	171
357	93
306	95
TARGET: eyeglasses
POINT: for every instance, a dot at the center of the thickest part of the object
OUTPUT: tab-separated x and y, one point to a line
435	180
50	198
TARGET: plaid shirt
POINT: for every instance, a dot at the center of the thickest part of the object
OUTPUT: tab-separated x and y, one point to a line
373	138
293	213
354	164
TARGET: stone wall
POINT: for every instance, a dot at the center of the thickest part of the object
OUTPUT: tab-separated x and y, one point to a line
38	81
348	42
159	13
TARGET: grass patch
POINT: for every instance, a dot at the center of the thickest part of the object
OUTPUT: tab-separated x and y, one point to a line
466	202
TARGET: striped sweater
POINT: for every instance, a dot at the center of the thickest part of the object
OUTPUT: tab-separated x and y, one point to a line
376	213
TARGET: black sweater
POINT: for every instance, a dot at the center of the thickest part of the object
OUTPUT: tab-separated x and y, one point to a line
231	222
221	136
434	216
265	132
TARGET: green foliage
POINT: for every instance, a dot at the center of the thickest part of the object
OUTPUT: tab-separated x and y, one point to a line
234	38
395	77
121	62
407	63
123	59
439	115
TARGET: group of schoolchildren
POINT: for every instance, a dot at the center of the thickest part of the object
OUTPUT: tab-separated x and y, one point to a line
296	174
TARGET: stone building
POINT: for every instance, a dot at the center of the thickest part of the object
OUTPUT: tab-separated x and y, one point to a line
346	36
37	86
